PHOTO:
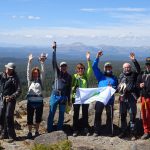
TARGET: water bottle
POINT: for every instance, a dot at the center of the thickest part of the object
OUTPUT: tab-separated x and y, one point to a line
1	101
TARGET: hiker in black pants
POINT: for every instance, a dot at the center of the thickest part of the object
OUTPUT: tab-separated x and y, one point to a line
10	90
128	96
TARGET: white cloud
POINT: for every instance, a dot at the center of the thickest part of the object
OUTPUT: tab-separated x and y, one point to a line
122	36
14	17
33	17
28	36
49	36
121	9
30	17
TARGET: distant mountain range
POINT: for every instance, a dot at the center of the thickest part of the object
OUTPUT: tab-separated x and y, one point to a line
77	51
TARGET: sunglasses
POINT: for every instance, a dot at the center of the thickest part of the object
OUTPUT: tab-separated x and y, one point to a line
80	68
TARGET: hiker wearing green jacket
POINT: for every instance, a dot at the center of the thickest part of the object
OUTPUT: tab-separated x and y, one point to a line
80	79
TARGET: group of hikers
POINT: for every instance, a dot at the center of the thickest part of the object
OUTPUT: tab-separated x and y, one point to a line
130	85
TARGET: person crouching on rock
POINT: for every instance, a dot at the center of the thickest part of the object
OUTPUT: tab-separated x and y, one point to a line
80	80
143	83
60	93
104	79
10	90
35	79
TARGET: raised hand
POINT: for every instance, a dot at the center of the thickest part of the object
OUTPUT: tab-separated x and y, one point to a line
99	54
30	57
54	46
88	56
132	56
43	57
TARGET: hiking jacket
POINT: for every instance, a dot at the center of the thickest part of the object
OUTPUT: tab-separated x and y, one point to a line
10	85
104	80
35	87
144	77
62	81
130	81
81	81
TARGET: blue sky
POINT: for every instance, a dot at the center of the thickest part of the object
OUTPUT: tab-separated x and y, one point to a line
92	22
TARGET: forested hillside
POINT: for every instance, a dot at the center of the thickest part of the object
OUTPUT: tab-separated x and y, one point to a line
21	65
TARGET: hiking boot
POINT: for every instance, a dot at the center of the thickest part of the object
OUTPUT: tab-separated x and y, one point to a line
9	140
37	133
29	136
2	136
75	133
145	136
86	131
95	134
122	135
133	138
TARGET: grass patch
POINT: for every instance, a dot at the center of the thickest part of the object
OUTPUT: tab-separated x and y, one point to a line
63	145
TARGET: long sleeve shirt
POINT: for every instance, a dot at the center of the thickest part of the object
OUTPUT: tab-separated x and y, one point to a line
81	81
103	79
35	87
10	85
62	81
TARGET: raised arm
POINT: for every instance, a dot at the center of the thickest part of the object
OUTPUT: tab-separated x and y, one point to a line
98	74
54	61
135	62
29	69
89	69
42	61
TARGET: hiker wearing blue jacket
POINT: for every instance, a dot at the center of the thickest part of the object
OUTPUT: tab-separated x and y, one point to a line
104	79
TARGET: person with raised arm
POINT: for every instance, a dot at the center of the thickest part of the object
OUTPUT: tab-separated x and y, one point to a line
129	94
35	78
60	94
104	79
80	80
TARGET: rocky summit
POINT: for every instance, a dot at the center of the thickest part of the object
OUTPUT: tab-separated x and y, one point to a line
103	142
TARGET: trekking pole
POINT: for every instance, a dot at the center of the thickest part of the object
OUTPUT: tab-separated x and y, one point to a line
112	127
119	112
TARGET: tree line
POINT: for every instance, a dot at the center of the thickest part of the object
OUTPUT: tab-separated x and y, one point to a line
21	65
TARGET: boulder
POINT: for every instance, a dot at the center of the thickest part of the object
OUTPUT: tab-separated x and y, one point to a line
51	138
139	146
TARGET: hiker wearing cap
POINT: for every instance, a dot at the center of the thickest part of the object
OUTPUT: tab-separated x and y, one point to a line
143	82
104	79
80	80
9	91
35	78
60	94
128	96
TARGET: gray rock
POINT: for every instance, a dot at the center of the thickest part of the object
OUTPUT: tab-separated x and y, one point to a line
144	146
51	138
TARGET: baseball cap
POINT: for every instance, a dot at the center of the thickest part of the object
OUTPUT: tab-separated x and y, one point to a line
10	65
107	64
63	63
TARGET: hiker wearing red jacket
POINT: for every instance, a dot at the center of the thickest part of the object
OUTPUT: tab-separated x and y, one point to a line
143	83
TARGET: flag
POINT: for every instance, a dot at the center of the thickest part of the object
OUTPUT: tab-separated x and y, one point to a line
89	95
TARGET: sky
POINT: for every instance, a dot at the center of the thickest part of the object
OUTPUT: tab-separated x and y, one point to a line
91	22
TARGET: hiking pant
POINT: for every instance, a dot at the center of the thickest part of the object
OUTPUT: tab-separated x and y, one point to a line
145	108
99	106
7	119
128	105
54	102
36	107
76	108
